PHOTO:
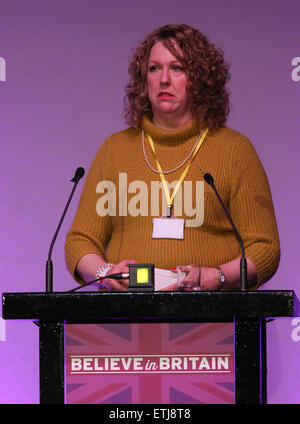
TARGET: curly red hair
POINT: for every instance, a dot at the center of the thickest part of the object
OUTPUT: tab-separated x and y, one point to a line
206	70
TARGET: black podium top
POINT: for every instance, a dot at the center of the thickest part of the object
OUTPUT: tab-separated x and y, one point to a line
160	306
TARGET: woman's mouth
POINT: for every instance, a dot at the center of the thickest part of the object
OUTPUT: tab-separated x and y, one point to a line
165	95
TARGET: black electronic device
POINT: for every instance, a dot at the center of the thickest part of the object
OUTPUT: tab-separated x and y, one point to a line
141	277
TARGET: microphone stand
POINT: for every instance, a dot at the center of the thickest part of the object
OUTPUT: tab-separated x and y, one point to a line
49	265
243	262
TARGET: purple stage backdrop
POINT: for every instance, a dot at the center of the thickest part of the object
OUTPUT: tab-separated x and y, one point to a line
63	68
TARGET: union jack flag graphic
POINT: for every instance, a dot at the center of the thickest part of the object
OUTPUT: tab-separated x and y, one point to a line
177	363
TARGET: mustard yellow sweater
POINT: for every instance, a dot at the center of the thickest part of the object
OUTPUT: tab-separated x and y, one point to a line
238	175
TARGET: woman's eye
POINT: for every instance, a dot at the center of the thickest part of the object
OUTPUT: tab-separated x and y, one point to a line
177	68
153	68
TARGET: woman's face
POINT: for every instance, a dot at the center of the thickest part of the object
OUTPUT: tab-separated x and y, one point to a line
166	82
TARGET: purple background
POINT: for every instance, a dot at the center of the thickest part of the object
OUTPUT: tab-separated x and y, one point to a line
66	67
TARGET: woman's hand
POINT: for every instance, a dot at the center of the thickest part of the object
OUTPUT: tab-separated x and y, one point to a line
191	280
209	276
199	278
118	285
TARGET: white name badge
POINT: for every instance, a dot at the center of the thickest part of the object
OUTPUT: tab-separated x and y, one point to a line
168	228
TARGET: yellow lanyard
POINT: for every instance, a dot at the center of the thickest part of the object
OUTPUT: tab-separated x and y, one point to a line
162	177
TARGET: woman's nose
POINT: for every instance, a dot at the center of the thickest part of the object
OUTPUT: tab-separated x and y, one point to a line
165	76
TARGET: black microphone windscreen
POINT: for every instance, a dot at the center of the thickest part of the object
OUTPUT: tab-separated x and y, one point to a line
209	179
78	175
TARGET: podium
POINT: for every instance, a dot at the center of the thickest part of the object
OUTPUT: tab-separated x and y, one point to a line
248	310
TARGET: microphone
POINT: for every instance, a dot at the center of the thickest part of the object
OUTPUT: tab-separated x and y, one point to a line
243	263
78	175
117	276
49	266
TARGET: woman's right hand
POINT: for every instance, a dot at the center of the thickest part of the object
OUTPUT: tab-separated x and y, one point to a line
118	285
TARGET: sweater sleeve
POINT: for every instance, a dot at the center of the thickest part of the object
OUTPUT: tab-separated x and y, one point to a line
89	232
252	209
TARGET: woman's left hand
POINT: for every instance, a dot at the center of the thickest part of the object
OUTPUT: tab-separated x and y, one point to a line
200	278
192	279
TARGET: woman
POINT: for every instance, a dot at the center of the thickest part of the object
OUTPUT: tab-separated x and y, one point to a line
176	107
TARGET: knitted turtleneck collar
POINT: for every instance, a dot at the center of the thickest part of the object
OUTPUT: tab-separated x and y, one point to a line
170	136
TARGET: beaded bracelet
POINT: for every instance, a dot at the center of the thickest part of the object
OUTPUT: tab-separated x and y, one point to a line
102	271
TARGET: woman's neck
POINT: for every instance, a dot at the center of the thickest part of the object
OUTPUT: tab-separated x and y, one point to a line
170	136
169	123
